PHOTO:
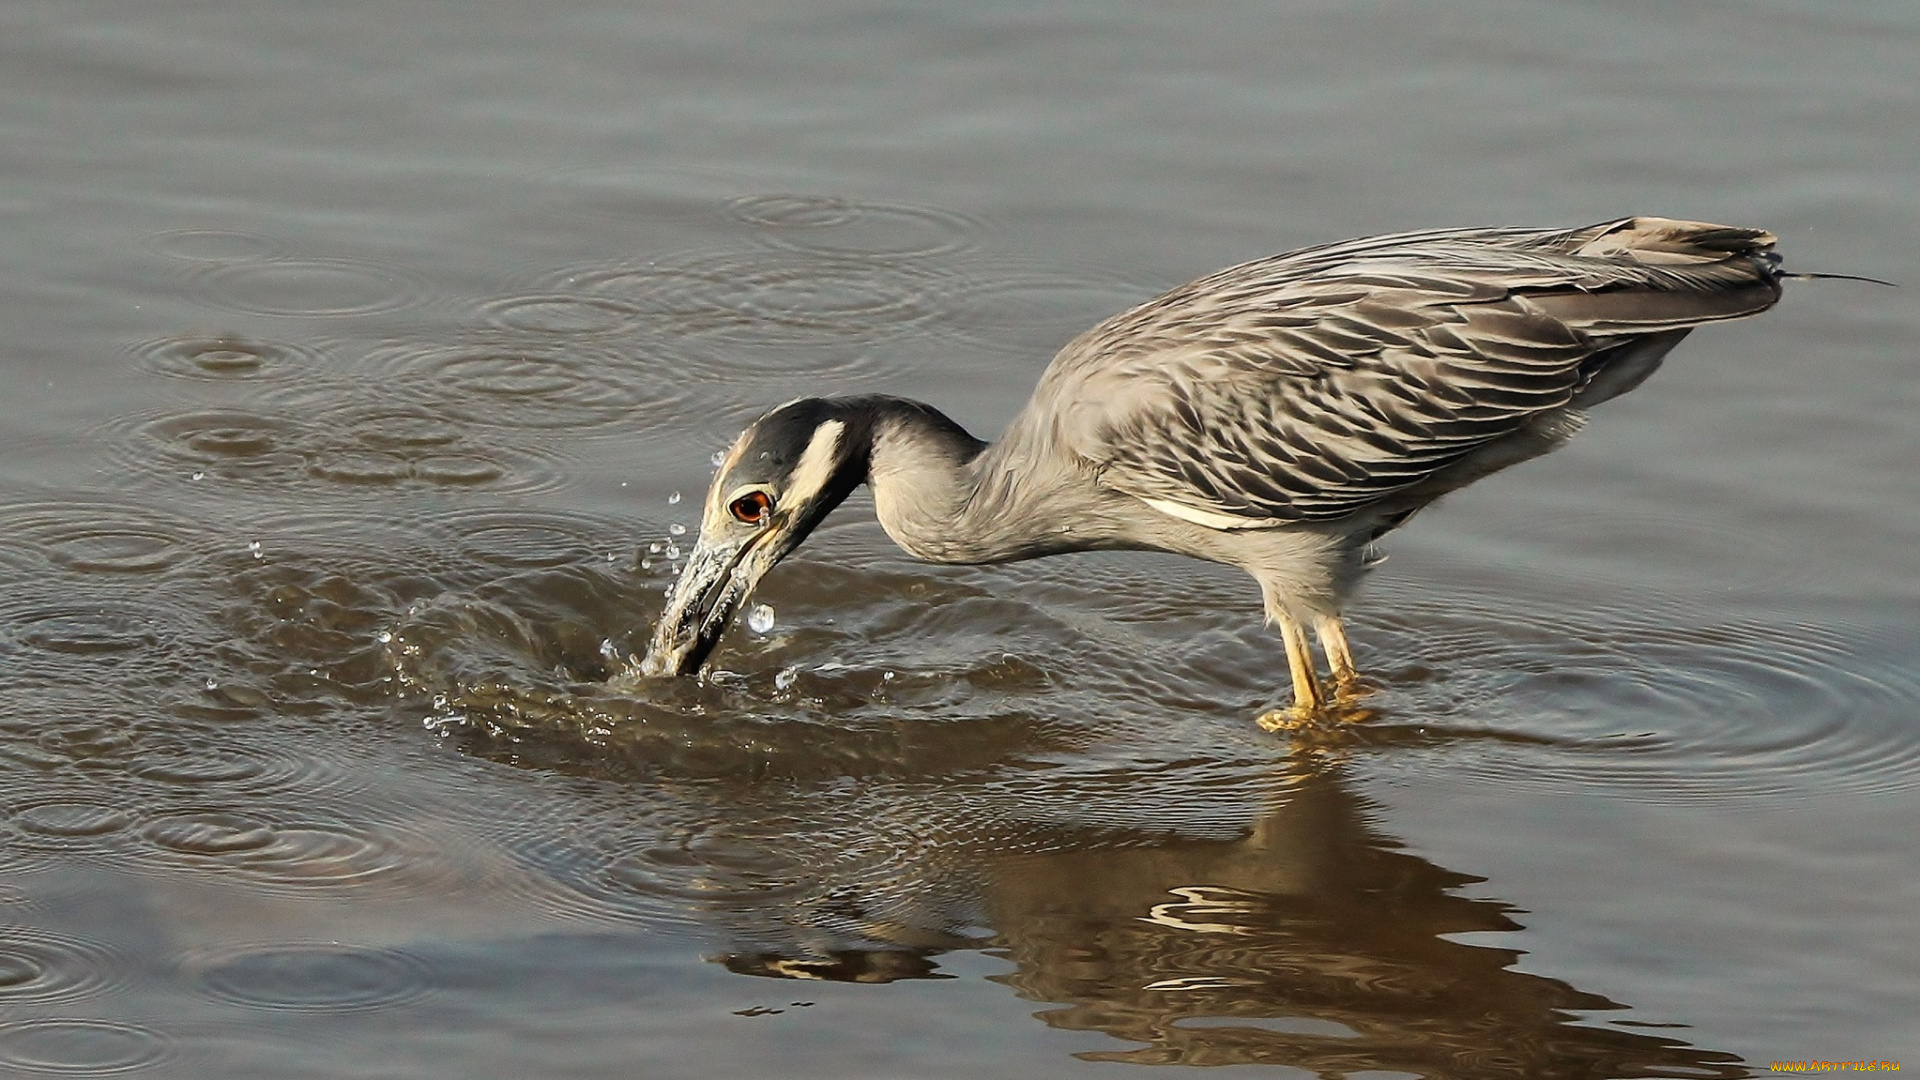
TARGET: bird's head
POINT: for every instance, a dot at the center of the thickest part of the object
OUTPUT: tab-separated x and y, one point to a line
784	473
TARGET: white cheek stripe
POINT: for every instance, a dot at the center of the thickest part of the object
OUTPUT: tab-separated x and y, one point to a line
810	476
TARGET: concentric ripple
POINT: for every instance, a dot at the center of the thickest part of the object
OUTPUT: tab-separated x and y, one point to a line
226	359
769	314
309	977
1032	311
562	315
226	444
309	288
65	824
1644	699
214	245
325	436
98	629
793	211
38	967
415	436
532	384
858	229
181	757
527	538
81	1047
102	538
771	296
290	854
752	872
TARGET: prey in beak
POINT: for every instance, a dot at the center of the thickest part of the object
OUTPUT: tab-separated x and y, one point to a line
780	479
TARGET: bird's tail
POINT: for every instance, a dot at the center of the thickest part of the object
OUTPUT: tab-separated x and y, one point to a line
1667	242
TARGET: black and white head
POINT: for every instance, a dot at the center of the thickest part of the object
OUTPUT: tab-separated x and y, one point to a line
783	475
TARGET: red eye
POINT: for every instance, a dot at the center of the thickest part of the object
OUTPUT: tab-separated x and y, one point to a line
752	508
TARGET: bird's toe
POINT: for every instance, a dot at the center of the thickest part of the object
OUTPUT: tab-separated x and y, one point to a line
1291	718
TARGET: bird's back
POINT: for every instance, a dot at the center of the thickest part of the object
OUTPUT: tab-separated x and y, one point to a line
1315	384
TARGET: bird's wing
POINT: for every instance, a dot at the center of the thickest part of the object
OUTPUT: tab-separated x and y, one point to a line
1308	385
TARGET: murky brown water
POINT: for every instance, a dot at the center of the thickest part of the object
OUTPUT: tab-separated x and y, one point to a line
363	366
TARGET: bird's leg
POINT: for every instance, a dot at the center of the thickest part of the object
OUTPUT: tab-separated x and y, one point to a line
1333	641
1307	698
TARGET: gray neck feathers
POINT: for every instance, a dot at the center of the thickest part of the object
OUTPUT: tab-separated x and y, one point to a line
944	496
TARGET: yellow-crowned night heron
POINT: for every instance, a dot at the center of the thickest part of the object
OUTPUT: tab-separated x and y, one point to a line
1279	416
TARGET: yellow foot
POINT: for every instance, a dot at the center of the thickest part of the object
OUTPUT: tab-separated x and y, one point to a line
1343	709
1348	689
1291	718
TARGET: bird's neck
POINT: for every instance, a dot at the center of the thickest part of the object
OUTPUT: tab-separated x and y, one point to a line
945	496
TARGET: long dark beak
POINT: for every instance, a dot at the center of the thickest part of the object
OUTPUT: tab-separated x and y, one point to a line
718	578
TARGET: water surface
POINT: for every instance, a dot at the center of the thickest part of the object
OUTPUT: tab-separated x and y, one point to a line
363	372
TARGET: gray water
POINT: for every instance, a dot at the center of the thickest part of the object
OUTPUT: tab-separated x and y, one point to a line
361	360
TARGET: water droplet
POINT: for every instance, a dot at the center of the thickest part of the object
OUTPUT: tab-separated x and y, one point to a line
653	548
384	637
677	529
198	476
673	498
253	548
760	619
212	683
646	564
673	550
784	679
886	676
718	457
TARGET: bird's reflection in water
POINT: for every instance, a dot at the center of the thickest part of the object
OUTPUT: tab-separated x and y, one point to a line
861	851
1312	941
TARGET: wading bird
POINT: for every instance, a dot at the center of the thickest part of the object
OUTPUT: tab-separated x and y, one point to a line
1279	416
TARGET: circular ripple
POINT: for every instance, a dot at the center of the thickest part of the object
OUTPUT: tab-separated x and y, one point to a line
296	855
115	551
340	442
210	834
457	470
315	977
214	245
101	538
773	297
80	1047
539	385
404	428
309	288
70	820
416	437
199	760
559	314
528	538
1033	312
867	230
363	467
792	870
86	629
228	443
225	359
793	211
37	967
1650	703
